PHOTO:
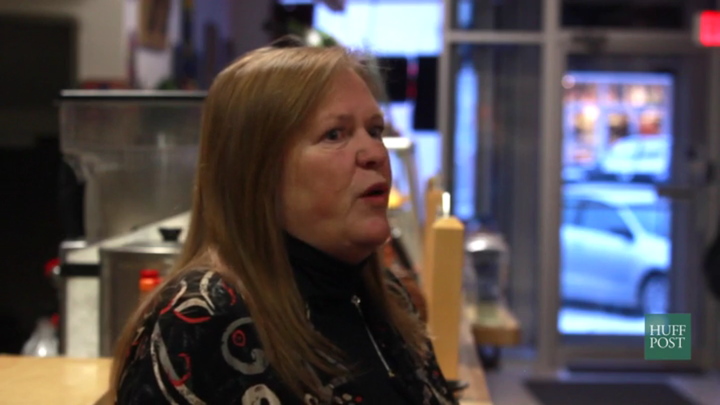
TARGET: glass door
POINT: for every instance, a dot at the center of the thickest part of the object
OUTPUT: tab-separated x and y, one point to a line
633	122
616	244
580	130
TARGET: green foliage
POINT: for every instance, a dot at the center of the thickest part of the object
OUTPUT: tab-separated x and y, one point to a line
168	84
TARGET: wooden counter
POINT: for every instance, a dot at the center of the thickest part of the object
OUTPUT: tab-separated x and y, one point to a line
52	381
493	325
470	369
65	381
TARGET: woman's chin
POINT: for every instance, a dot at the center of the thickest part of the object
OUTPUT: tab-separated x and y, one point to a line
373	232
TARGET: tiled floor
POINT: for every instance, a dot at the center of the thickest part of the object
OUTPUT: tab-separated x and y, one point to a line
507	386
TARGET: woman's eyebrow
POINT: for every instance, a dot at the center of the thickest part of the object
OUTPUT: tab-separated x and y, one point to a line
343	117
378	116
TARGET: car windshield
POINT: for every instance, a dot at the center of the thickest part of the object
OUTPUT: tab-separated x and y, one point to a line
653	218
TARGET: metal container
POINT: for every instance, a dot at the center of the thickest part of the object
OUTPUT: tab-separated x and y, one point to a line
120	269
489	256
66	278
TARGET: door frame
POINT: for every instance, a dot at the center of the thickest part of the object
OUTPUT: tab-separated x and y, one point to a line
556	44
712	305
553	350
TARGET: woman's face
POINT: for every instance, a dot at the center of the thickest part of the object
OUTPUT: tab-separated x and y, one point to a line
337	179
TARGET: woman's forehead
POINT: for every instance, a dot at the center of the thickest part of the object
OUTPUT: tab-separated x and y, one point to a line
347	96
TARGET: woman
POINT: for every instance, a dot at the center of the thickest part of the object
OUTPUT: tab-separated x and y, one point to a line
278	296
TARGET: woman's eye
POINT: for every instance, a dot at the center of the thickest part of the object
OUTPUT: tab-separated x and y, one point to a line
333	135
377	132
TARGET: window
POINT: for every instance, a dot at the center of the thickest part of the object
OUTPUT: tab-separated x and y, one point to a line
407	28
625	150
655	149
601	217
653	218
570	211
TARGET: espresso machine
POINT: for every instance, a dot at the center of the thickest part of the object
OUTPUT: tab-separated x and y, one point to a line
133	156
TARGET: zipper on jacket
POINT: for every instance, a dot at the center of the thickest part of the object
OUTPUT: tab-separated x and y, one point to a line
356	301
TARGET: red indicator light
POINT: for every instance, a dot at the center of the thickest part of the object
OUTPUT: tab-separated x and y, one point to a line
707	28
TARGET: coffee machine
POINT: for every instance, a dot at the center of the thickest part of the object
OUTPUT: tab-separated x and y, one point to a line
130	159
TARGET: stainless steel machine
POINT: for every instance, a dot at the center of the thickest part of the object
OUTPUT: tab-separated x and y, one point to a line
120	271
136	153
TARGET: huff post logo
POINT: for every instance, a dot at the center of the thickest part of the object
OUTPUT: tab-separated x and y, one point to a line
668	337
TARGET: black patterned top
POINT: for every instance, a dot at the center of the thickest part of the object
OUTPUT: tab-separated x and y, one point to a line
199	346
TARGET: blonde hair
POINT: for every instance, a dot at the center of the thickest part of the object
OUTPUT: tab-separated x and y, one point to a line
252	113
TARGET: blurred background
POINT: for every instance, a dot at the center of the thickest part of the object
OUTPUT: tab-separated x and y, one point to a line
586	131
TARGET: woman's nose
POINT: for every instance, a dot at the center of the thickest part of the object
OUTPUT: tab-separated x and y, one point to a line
372	153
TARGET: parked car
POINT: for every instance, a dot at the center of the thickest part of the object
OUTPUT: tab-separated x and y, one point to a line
638	156
616	246
577	172
578	164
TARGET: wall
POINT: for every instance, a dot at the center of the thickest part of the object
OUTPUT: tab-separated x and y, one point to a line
104	33
102	49
152	66
100	55
31	229
247	21
216	12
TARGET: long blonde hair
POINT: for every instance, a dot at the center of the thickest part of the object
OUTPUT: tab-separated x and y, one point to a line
252	113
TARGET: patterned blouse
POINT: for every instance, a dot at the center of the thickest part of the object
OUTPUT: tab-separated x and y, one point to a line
198	345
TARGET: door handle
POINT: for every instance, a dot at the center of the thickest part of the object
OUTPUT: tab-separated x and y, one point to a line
704	173
676	192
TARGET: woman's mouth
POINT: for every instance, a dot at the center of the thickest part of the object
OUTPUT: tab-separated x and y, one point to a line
376	194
